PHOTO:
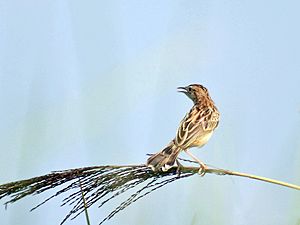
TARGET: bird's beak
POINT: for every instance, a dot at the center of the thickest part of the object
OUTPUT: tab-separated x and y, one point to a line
182	89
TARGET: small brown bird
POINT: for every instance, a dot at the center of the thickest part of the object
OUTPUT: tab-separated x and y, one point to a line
194	130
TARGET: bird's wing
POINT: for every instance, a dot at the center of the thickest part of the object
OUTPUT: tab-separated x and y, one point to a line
197	121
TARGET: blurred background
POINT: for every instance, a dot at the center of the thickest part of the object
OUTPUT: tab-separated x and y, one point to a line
94	82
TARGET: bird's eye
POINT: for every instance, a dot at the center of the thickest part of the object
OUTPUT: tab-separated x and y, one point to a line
190	89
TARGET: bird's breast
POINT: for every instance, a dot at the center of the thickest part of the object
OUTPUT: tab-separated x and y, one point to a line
202	139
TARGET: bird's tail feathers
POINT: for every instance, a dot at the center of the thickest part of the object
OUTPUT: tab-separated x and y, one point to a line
165	159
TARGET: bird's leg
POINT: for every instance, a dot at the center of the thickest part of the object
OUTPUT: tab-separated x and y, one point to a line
203	167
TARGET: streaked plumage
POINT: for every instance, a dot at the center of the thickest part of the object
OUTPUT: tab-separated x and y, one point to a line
194	130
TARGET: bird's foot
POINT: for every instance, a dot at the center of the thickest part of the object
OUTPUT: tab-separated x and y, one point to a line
202	170
179	166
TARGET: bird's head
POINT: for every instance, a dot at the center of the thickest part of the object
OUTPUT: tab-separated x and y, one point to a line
194	91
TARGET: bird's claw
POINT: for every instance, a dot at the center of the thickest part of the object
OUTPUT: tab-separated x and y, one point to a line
202	170
179	167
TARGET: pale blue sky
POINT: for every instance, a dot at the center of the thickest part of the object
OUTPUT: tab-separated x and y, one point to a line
94	82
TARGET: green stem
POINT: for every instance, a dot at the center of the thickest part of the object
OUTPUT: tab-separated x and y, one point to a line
85	206
233	173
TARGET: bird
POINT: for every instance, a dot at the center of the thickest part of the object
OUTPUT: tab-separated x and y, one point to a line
194	130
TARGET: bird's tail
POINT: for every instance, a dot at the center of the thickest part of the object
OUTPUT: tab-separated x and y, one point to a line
165	159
